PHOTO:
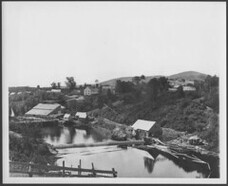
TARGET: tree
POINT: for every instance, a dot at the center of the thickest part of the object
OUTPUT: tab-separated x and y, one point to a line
124	87
152	90
209	89
136	80
70	83
85	85
157	87
53	85
38	87
143	77
180	92
96	82
58	84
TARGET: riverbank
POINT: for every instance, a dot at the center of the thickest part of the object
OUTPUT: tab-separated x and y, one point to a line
112	130
26	143
175	140
31	147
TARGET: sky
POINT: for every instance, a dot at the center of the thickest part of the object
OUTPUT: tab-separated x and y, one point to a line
45	42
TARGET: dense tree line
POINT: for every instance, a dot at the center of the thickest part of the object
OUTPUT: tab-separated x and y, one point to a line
23	102
138	90
209	90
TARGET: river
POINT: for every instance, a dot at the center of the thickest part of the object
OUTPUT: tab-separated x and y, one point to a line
128	162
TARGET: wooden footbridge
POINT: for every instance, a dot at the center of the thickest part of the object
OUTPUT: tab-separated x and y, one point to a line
38	170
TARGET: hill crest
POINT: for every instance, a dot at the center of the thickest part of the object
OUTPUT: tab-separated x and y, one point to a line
187	75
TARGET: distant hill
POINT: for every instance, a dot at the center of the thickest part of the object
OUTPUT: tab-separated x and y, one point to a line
112	82
189	75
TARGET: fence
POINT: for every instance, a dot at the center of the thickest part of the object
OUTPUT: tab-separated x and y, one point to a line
58	171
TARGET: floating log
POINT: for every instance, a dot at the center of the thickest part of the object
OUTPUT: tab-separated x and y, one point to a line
109	143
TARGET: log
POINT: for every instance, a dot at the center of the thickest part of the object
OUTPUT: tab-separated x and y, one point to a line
110	143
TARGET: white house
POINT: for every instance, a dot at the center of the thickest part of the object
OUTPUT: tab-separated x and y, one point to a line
88	91
145	127
81	115
56	90
66	117
189	88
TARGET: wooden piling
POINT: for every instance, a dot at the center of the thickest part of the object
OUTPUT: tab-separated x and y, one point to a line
63	168
93	171
30	169
114	173
79	167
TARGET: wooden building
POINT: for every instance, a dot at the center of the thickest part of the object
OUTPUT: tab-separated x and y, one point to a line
44	110
145	128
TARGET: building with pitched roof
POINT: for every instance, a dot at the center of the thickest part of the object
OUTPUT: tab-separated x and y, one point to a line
88	91
44	109
146	128
81	115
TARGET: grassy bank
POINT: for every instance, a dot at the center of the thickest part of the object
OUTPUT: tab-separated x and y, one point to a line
27	144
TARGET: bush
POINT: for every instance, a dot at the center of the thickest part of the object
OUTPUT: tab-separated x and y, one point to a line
211	135
129	98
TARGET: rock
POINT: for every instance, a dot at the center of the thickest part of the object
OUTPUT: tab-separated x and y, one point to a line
119	134
43	149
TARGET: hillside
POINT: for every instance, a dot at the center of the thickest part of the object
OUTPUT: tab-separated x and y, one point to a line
184	115
189	75
112	82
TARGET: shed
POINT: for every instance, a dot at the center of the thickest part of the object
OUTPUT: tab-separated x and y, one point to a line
44	109
56	90
195	140
81	115
67	117
146	128
189	88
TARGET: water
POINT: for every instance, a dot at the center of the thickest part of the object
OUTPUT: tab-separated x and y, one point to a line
128	162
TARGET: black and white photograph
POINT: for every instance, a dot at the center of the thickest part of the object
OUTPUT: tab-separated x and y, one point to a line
114	92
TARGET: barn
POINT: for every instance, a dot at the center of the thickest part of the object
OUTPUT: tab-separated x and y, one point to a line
43	109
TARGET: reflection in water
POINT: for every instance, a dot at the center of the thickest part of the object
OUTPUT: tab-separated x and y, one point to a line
52	132
128	162
149	164
186	166
70	137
